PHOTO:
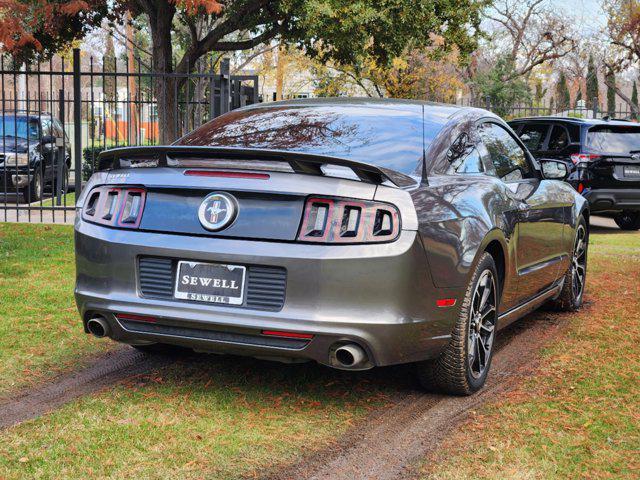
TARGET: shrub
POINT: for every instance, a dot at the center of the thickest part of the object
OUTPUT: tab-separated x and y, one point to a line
90	160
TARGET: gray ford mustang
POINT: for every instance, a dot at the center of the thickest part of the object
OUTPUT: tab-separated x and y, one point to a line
353	232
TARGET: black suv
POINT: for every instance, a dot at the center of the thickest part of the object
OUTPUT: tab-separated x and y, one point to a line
602	158
30	146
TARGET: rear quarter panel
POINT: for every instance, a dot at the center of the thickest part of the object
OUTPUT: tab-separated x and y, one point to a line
458	217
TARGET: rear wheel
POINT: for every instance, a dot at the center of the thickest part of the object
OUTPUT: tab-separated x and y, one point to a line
628	220
575	278
463	366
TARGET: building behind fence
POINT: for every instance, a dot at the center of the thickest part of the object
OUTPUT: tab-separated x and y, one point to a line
102	104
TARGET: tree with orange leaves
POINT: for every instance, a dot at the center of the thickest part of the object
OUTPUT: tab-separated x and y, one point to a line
28	27
342	31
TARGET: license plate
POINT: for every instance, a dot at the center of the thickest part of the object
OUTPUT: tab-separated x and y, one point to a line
210	282
631	171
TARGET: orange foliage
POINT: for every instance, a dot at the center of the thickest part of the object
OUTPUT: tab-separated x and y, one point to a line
73	7
194	6
18	21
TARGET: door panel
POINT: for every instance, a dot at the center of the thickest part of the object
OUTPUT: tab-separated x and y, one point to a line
541	255
540	212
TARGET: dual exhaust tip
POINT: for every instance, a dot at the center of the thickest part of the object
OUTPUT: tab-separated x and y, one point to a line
98	327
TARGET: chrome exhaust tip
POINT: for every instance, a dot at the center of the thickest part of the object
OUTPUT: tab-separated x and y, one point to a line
350	356
98	327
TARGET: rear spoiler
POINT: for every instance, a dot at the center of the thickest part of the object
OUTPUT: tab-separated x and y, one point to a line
299	162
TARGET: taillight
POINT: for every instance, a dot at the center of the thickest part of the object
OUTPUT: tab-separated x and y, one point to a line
226	174
333	220
115	206
577	158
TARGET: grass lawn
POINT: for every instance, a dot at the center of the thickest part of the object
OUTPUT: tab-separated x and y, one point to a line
37	274
580	417
67	200
217	417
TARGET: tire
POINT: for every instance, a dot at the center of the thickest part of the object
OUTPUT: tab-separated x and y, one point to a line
459	370
570	298
35	190
628	220
65	181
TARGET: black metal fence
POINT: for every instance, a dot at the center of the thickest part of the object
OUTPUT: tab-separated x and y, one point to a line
56	116
592	109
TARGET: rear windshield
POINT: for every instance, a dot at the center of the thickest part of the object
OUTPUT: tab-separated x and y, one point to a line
386	137
614	139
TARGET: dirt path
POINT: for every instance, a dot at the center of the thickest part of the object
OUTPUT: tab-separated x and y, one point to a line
104	371
387	444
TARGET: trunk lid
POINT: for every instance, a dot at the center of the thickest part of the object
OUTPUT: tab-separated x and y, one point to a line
615	150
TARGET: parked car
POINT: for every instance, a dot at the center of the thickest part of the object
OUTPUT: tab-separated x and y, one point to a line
356	233
29	154
602	157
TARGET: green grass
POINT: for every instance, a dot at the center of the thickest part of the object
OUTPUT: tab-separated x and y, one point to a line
579	417
37	274
213	417
68	200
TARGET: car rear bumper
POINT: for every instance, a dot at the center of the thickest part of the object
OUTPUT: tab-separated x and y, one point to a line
603	200
380	297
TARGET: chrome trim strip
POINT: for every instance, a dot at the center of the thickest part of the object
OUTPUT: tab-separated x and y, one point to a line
541	265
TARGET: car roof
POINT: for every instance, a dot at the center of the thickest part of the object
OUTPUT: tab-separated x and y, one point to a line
432	110
574	120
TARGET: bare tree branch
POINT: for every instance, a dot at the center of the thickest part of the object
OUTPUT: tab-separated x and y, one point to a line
251	57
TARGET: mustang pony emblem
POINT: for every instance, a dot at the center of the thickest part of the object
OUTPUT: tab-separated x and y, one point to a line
217	211
214	210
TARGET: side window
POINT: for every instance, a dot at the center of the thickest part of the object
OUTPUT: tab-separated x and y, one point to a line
559	138
34	130
467	162
533	136
464	157
509	160
46	127
57	128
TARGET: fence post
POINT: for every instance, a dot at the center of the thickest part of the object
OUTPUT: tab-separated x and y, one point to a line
225	79
59	152
255	89
595	108
77	122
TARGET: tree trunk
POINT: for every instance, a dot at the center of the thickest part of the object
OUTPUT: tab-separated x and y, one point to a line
160	21
280	74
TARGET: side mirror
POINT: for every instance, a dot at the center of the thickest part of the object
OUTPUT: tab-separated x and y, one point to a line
553	169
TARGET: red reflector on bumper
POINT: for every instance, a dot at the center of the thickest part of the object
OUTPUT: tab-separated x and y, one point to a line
225	174
137	318
277	333
446	302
